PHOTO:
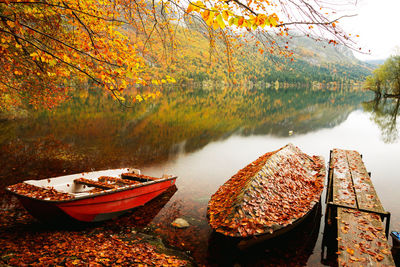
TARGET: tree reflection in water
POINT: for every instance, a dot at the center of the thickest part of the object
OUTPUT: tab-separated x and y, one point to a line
384	113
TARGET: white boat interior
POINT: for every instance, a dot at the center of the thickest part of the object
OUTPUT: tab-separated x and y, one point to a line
66	183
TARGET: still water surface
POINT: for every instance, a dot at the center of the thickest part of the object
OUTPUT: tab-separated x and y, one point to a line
205	137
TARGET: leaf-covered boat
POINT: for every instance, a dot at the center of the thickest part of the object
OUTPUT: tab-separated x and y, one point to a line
269	196
88	197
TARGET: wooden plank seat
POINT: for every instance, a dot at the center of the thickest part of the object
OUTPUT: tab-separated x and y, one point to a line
117	181
361	239
138	177
92	183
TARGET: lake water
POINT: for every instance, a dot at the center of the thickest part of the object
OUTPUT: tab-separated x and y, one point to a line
205	137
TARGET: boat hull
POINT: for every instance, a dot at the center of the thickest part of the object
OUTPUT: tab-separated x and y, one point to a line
98	207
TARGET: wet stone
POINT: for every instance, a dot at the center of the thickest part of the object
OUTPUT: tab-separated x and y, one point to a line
180	223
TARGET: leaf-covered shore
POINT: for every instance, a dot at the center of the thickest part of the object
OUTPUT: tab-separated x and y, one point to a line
27	242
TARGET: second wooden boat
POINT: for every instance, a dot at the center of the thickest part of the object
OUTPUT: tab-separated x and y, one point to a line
269	196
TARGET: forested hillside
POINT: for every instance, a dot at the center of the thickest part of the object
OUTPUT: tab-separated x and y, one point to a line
310	62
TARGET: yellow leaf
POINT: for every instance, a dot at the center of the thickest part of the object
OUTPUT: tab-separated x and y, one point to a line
220	21
225	15
129	75
273	20
236	21
170	79
215	25
231	21
210	19
139	98
66	58
52	62
266	23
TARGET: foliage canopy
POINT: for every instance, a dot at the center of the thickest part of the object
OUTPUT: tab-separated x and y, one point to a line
47	46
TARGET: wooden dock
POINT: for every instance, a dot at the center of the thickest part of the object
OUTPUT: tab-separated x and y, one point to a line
354	207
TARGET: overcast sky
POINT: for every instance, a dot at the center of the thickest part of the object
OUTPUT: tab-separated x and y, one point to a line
378	24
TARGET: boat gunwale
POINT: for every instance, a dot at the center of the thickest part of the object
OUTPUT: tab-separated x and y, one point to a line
104	193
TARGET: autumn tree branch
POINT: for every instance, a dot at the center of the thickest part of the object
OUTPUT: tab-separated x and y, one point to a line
63	43
54	56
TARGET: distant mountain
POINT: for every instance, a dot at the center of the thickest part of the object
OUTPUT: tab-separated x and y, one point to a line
314	61
317	52
325	63
250	61
375	62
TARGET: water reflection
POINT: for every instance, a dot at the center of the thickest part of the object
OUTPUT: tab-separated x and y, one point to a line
94	131
204	137
384	113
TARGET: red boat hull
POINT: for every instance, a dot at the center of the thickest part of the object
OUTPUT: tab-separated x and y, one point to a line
98	207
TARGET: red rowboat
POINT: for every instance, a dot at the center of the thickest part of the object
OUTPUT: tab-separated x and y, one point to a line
89	197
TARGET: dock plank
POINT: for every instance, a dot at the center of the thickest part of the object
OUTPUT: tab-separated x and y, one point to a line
361	239
367	198
343	191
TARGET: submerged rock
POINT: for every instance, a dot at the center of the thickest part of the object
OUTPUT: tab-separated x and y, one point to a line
180	223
